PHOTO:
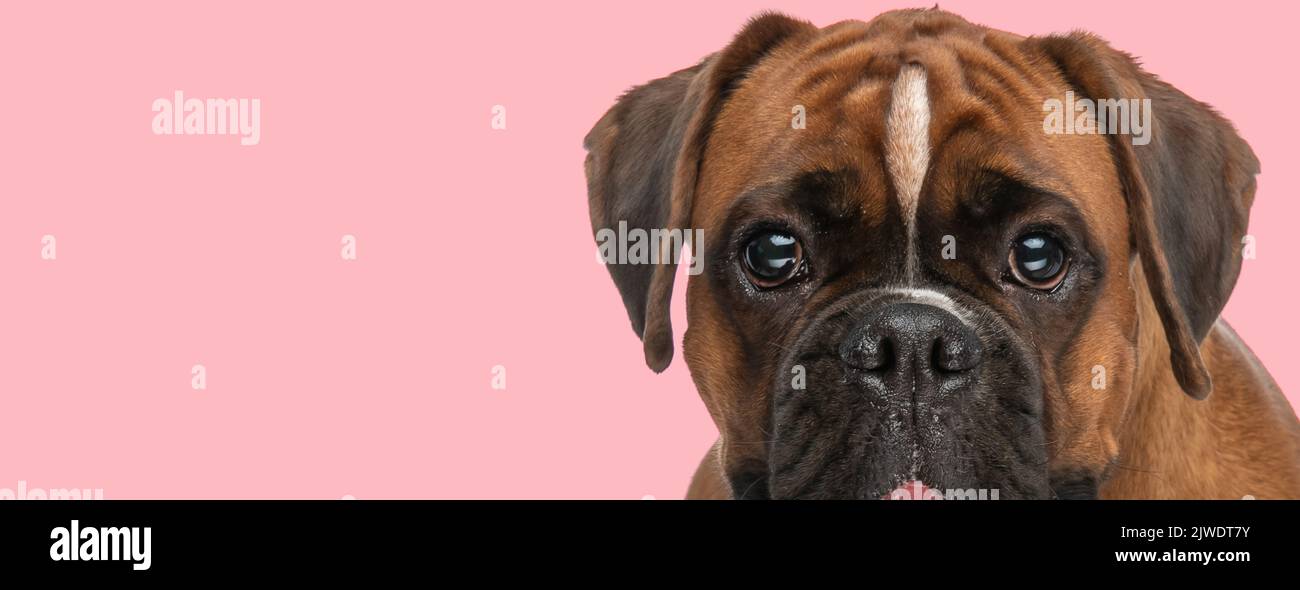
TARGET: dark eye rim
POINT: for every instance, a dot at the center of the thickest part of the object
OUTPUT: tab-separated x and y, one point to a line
1048	286
801	260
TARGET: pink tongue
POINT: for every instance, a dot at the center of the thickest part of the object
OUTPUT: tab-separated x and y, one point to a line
912	490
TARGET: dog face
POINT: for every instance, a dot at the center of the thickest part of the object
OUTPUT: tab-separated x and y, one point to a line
905	277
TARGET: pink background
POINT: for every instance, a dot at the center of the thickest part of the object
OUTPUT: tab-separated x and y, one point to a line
372	378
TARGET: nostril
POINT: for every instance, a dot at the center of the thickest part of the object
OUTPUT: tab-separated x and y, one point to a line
940	356
868	353
884	360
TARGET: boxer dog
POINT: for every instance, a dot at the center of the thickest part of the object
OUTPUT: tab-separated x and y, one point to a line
909	281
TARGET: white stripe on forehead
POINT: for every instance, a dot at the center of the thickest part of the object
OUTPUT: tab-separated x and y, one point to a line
907	146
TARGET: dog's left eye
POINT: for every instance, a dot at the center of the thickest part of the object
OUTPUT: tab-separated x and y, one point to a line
772	258
1038	260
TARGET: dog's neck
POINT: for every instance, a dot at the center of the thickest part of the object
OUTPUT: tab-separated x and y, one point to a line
1165	439
1172	446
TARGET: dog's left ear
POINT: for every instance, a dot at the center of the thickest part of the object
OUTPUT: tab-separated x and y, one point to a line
1189	193
643	158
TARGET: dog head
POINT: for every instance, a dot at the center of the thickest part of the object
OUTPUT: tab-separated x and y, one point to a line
909	275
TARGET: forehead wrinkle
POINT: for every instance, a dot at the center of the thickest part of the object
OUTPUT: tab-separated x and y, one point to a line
1009	75
850	65
836	37
978	92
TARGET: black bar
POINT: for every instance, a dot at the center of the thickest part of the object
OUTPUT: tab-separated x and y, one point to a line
363	536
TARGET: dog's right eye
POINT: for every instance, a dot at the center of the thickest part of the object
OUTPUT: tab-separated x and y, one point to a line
772	258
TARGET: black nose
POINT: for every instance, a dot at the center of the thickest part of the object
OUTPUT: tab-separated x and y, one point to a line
913	340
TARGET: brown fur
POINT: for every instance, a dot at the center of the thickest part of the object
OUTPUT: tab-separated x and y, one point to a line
677	152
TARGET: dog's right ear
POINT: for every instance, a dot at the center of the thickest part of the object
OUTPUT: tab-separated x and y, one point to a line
643	158
1188	192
